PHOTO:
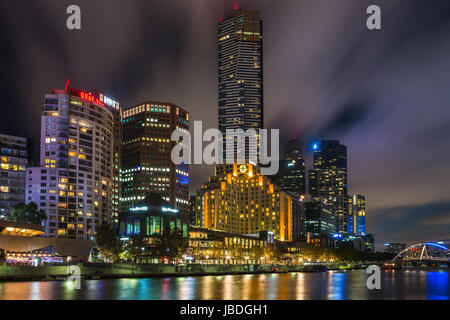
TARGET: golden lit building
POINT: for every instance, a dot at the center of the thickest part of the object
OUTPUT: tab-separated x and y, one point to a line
238	199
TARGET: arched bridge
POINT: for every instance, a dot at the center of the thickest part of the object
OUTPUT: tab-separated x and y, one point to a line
426	252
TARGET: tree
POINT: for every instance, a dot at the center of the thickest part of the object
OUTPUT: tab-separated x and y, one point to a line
107	242
137	246
170	245
28	213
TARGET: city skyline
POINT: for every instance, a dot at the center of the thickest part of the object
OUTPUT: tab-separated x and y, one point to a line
410	191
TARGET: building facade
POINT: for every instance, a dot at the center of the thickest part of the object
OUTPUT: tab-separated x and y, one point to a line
219	247
152	217
74	184
192	210
239	200
147	166
240	57
356	215
320	225
15	157
328	179
291	175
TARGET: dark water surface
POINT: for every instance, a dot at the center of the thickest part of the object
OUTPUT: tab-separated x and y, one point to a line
399	285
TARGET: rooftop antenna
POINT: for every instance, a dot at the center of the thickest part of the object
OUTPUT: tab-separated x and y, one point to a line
68	83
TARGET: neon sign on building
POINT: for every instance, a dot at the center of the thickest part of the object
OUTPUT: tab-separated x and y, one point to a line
86	97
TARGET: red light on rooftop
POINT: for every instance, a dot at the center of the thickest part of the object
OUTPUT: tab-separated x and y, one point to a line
235	7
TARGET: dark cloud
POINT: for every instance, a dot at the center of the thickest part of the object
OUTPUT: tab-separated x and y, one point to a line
384	93
348	117
399	224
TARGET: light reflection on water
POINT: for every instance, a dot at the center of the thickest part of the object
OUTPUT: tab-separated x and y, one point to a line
290	286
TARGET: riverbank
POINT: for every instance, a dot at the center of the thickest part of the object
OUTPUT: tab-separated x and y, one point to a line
122	270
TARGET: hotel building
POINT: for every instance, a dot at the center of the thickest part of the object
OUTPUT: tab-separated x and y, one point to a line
76	181
239	200
15	156
147	166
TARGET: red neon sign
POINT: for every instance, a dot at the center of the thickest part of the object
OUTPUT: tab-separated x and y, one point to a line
86	96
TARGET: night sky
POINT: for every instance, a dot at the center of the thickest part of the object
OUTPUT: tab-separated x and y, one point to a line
384	94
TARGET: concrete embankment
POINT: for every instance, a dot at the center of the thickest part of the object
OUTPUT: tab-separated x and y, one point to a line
119	270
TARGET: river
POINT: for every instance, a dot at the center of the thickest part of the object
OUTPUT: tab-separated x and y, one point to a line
332	285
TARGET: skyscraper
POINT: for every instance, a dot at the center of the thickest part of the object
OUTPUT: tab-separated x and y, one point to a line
356	214
75	183
147	166
15	157
328	179
291	175
319	222
240	55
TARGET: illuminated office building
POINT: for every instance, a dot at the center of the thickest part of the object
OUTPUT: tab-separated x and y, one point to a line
320	224
328	179
240	55
147	166
151	217
75	183
239	200
356	214
291	175
15	155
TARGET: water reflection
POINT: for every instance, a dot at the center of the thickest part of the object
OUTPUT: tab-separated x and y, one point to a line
290	286
438	286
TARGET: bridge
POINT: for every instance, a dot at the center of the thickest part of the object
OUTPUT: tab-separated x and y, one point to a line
428	252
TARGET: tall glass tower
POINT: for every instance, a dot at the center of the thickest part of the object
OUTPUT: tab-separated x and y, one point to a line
240	56
291	176
328	179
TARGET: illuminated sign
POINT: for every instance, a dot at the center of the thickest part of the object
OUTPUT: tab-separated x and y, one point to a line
86	97
139	209
337	236
164	209
243	169
108	101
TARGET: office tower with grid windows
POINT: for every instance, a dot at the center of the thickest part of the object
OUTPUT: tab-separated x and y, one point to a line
76	179
328	179
240	62
147	166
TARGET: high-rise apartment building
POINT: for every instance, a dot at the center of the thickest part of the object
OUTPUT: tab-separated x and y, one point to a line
15	157
240	56
356	214
147	166
328	179
291	175
239	200
76	181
